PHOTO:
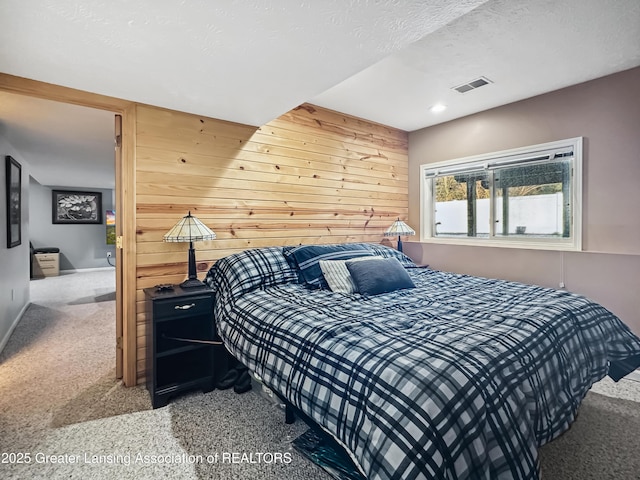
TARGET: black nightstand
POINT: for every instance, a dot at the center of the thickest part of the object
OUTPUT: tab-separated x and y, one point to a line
176	361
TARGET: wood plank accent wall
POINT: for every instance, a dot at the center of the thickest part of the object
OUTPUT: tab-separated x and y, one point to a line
309	176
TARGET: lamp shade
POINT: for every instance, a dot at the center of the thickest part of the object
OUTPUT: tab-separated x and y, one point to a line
399	228
189	229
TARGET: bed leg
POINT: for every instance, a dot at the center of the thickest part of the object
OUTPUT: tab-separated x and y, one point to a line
289	414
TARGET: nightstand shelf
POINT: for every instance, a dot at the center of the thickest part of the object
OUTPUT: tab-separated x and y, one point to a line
181	370
174	351
176	320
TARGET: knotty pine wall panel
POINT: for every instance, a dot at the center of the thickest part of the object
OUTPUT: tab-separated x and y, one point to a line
309	176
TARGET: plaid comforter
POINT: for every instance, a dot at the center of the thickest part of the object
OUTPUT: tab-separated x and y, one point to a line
462	377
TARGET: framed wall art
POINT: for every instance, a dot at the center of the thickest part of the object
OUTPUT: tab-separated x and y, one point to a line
111	227
75	207
14	202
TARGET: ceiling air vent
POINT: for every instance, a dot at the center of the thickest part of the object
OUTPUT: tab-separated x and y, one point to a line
472	85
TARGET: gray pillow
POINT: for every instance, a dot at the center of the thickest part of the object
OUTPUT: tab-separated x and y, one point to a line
337	275
379	276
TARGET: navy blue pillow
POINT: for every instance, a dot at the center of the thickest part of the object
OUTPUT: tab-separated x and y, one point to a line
288	254
388	252
379	276
308	258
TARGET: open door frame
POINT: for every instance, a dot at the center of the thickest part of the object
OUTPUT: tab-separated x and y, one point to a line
125	206
119	324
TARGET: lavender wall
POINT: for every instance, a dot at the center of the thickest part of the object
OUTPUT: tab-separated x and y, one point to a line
606	112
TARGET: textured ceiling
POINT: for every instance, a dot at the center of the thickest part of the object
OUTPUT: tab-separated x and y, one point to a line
251	61
525	47
247	61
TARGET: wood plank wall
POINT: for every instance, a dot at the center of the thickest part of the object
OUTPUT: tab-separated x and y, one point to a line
310	176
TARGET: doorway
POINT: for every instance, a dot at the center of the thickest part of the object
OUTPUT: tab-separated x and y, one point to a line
122	119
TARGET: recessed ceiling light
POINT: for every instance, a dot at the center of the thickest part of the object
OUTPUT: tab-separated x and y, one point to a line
438	107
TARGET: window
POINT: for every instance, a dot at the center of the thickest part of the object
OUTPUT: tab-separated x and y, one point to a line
527	197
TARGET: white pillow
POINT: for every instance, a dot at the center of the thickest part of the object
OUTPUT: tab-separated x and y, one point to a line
337	275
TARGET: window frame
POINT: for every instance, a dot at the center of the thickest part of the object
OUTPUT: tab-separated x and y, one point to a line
427	202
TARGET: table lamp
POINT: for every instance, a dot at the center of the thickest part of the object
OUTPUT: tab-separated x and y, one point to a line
190	229
399	228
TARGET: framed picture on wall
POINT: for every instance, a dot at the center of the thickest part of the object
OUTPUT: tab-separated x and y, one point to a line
111	227
14	202
74	207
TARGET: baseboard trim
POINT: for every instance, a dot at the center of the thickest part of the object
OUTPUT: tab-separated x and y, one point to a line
13	326
93	269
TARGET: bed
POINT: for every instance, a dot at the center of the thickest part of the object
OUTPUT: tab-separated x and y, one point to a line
459	377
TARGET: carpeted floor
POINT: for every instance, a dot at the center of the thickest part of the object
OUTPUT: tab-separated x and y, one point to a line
59	397
223	422
603	443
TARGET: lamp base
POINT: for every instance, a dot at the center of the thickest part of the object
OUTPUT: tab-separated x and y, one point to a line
192	283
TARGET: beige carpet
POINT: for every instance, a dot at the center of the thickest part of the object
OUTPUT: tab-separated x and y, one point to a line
61	350
602	444
58	396
105	398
